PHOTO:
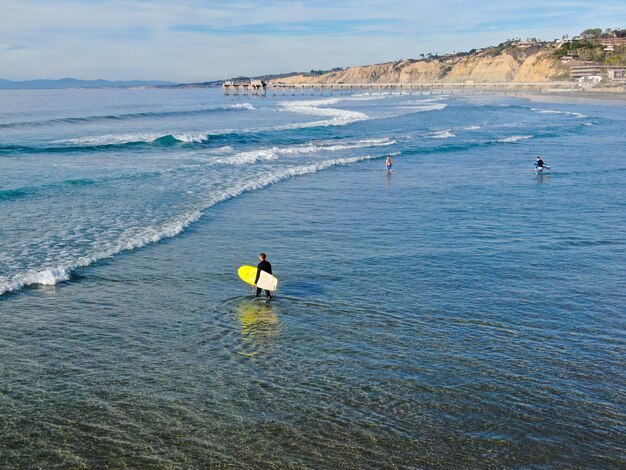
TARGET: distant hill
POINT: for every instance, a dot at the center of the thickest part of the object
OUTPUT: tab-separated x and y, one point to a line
76	83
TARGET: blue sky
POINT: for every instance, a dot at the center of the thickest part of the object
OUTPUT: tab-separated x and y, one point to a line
195	40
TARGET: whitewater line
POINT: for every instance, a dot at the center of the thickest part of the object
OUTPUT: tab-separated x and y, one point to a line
55	274
338	117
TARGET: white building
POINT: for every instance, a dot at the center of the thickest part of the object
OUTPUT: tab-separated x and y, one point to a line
590	80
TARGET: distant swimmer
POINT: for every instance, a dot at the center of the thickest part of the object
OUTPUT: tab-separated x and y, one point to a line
389	164
264	265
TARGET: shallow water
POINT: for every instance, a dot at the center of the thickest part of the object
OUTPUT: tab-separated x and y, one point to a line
458	313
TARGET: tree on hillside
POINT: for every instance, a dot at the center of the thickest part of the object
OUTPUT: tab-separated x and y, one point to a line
613	60
591	33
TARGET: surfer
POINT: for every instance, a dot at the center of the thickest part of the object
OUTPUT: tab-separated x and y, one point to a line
539	164
264	265
389	164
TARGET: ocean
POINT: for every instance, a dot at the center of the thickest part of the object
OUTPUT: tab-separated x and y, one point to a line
460	312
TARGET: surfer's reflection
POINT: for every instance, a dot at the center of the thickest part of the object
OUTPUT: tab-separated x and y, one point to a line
258	320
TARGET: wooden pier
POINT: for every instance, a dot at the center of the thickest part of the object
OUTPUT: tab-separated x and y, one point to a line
256	87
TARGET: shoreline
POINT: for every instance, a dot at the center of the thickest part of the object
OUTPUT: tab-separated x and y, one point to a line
565	98
578	97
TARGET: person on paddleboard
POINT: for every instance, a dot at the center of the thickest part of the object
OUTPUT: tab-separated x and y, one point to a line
264	265
388	164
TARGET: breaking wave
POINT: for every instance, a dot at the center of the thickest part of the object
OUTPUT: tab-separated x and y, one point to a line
338	117
552	111
444	134
50	275
515	138
273	153
425	107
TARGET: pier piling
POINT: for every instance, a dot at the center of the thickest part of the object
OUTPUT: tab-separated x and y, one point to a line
259	88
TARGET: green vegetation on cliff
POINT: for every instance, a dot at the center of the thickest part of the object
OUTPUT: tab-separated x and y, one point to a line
592	50
589	47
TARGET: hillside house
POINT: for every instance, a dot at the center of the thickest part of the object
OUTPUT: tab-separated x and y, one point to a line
592	69
613	42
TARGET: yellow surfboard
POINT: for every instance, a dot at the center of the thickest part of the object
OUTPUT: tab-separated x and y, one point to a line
266	280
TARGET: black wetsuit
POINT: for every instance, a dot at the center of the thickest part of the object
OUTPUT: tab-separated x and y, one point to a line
267	267
539	163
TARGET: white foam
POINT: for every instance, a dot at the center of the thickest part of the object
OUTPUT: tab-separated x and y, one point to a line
431	99
246	106
445	134
339	117
225	148
306	125
273	153
515	138
253	156
190	138
134	238
425	108
470	128
111	139
553	111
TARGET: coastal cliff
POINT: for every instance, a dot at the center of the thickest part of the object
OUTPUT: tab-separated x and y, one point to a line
520	65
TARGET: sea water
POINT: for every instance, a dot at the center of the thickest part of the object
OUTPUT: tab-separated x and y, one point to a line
460	312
